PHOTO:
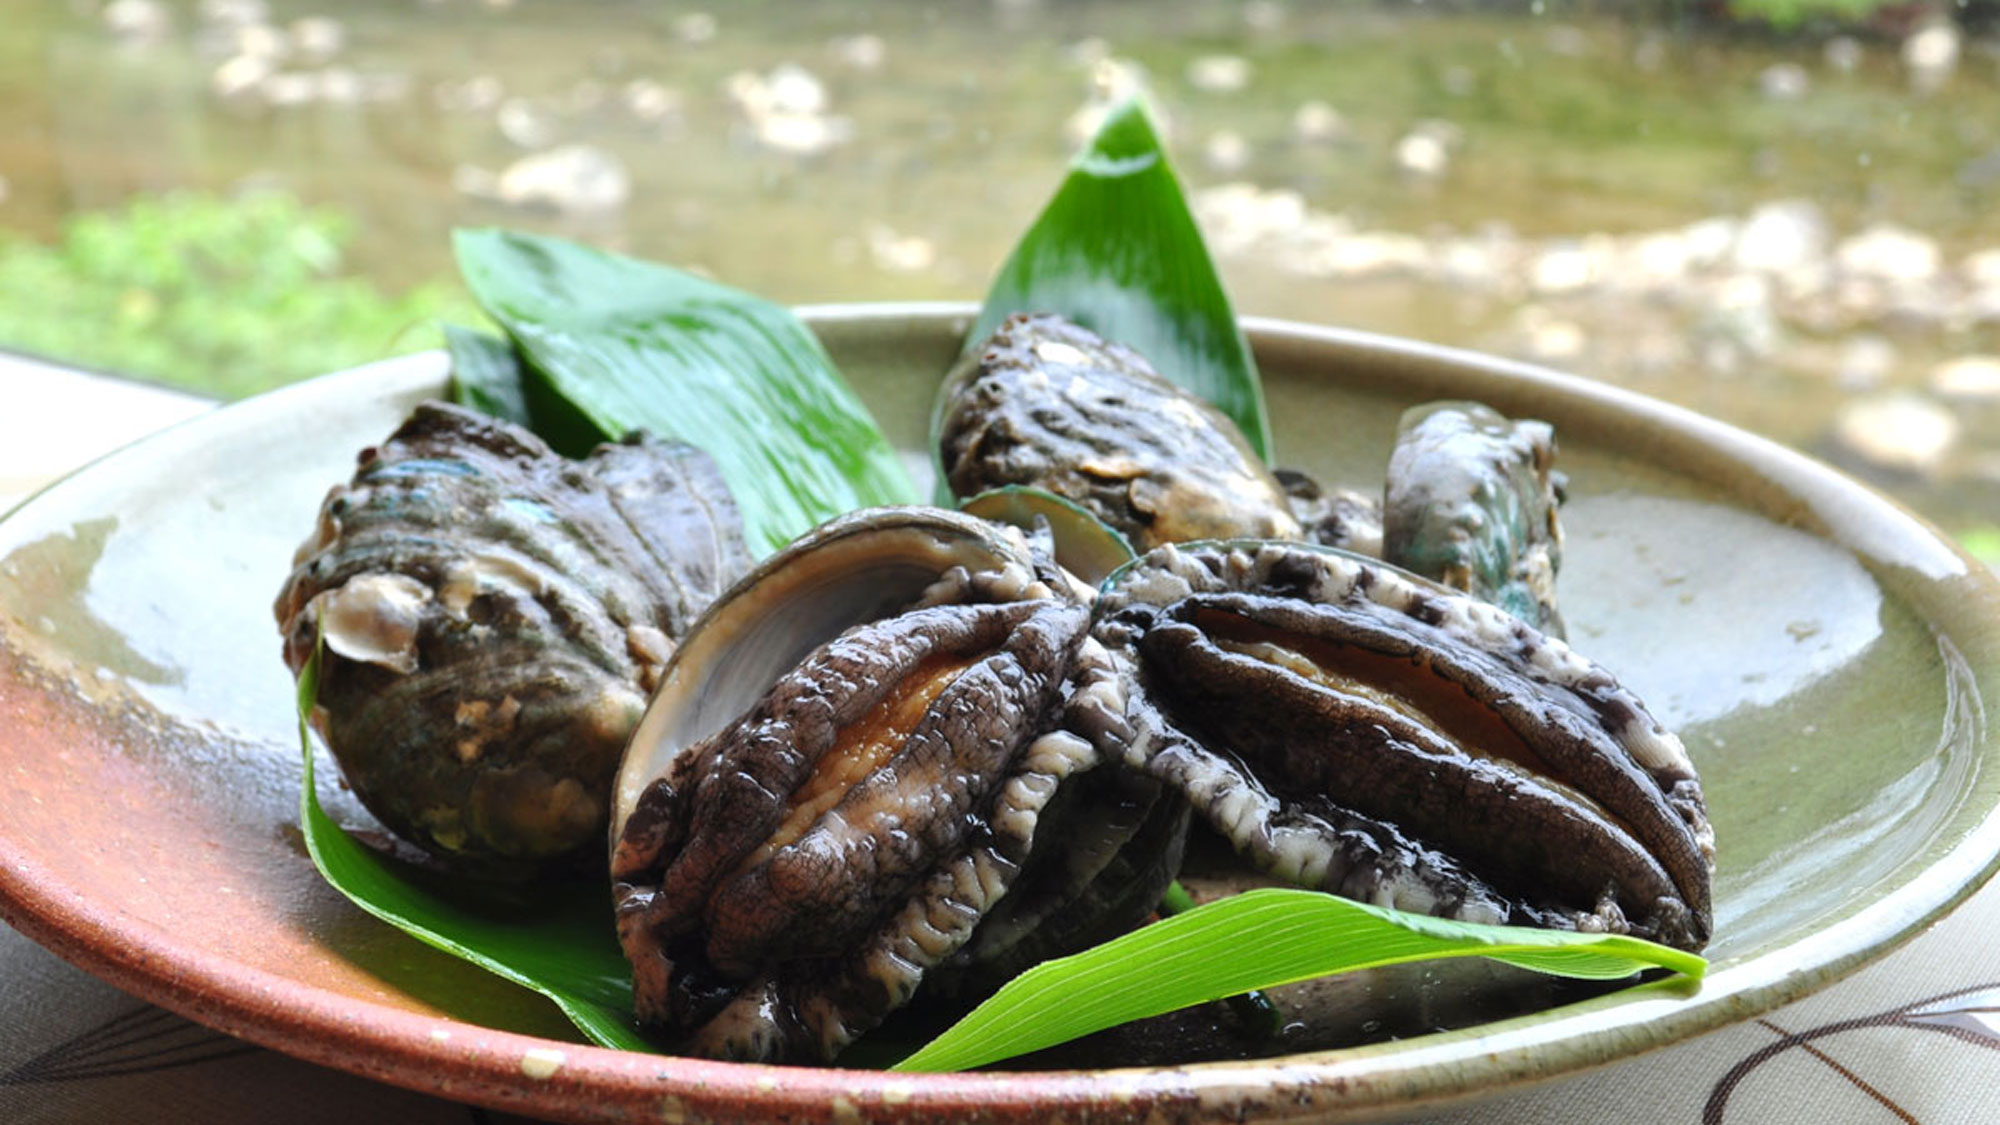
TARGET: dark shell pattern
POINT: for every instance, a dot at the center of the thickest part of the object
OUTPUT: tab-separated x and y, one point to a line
495	616
786	881
996	770
1349	726
1051	405
909	752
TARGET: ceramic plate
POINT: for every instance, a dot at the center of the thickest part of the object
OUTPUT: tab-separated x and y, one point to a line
1826	657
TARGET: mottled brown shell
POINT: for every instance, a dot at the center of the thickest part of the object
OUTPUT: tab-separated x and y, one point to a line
791	868
494	616
1472	501
1333	517
1047	404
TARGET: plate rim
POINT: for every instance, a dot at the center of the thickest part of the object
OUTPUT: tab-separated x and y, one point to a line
484	1064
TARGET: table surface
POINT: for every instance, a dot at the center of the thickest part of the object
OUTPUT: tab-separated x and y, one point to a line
1913	1038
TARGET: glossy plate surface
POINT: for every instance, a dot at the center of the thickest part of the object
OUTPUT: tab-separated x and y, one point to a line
1827	658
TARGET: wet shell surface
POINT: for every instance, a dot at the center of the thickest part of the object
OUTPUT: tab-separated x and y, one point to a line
1471	502
1333	517
1047	404
846	771
494	616
1348	726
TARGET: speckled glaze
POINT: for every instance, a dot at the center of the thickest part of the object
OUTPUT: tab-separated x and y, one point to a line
1827	658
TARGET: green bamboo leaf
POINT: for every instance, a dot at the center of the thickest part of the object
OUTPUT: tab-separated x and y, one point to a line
566	949
632	344
486	375
1118	252
1259	939
489	374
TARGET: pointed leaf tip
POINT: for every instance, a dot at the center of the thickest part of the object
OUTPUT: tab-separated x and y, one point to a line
1118	251
1255	940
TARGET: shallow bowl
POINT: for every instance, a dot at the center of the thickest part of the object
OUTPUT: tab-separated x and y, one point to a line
1826	656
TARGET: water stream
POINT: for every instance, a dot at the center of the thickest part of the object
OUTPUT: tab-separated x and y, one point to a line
1799	234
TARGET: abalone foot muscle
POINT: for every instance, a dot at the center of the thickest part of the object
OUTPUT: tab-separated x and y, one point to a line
787	877
1352	727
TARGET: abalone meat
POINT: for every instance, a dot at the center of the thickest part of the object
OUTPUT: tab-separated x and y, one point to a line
848	766
1352	727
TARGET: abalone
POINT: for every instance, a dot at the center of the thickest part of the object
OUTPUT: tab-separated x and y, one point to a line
1047	404
847	769
494	616
1471	501
1352	727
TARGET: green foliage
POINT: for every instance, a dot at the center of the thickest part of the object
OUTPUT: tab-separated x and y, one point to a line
1983	541
1255	940
612	344
224	295
1786	15
1118	252
486	376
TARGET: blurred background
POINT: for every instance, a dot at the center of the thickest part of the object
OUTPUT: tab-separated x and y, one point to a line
1782	212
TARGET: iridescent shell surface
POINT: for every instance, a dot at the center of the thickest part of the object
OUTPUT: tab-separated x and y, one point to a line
1047	404
494	616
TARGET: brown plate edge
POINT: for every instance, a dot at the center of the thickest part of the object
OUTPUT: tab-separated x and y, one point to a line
568	1081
